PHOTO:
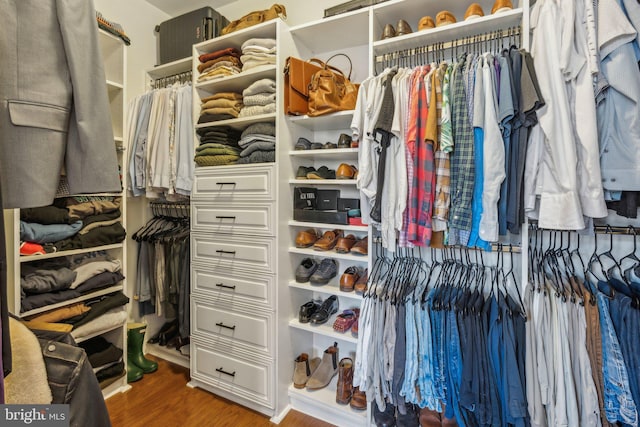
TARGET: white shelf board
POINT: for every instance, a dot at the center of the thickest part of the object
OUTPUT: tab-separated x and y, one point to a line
29	258
101	332
114	85
335	32
238	82
240	123
332	288
335	121
323	181
118	139
170	68
322	404
322	225
328	254
448	32
327	154
88	296
236	38
326	329
169	354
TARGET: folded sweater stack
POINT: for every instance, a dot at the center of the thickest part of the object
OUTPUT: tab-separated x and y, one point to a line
220	106
218	64
258	143
257	52
259	98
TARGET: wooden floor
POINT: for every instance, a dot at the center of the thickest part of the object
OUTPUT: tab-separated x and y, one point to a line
162	399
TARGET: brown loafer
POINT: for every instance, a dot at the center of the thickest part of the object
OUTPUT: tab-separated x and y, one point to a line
425	23
361	247
306	238
346	171
445	18
328	240
358	399
473	11
345	244
361	284
349	278
501	6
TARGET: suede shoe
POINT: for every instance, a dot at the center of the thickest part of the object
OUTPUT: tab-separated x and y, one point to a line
326	310
305	270
327	370
303	369
327	270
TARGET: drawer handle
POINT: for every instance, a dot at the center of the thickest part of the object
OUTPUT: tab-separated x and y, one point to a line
225	217
222	325
220	251
220	285
222	371
226	183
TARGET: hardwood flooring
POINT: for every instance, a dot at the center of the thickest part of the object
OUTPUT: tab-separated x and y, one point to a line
162	399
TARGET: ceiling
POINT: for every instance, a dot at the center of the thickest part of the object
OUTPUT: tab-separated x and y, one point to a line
178	7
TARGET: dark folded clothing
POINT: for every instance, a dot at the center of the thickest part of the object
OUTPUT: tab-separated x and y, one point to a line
46	215
258	157
106	235
100	351
32	302
101	217
206	117
43	281
218	131
112	371
100	281
99	306
219	140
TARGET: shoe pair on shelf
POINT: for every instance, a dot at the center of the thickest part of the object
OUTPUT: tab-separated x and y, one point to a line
318	313
346	320
354	279
309	172
402	28
332	239
344	141
316	373
473	11
346	171
346	393
316	273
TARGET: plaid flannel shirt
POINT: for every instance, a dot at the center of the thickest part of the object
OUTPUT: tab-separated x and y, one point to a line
442	162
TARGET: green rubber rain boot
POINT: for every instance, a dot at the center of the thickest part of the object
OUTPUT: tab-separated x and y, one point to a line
135	335
133	372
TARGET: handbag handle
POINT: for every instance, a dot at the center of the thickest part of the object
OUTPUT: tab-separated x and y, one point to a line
325	65
348	59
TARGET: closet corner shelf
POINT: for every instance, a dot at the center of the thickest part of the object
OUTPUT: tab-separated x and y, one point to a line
169	354
335	121
446	33
323	181
114	85
328	254
101	332
240	123
332	288
264	30
325	329
30	258
238	82
326	226
88	296
333	31
170	68
327	154
322	404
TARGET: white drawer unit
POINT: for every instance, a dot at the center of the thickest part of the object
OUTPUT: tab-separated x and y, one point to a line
235	183
251	380
213	283
240	323
237	218
233	252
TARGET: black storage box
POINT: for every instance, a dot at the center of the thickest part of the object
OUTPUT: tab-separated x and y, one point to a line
327	200
177	35
346	204
325	217
305	197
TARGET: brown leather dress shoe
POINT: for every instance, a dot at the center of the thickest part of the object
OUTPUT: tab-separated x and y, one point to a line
501	6
358	399
445	18
388	32
328	240
344	389
306	238
361	247
361	284
346	171
345	243
425	23
403	27
473	11
349	278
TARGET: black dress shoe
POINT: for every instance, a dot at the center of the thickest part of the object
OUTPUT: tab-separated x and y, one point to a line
307	310
386	418
410	419
328	307
156	338
168	335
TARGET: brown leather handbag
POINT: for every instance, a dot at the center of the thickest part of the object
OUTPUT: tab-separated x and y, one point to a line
330	90
297	77
256	17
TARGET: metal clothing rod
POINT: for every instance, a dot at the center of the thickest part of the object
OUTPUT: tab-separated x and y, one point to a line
170	209
598	229
182	77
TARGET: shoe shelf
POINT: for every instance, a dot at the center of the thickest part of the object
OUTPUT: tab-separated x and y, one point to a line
323	181
29	258
362	228
239	123
101	332
332	288
322	405
72	301
327	154
333	31
328	254
170	354
326	329
238	82
336	121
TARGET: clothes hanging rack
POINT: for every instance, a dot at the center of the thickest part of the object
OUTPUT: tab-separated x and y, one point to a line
437	52
166	81
170	209
597	229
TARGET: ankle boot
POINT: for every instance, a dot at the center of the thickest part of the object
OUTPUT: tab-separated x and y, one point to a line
133	372
410	418
303	369
358	399
429	418
135	337
344	390
156	338
327	370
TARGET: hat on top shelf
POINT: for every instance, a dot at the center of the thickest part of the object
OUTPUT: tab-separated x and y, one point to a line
445	18
473	11
425	23
501	6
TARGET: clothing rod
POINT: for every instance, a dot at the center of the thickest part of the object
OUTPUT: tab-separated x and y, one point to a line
598	229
